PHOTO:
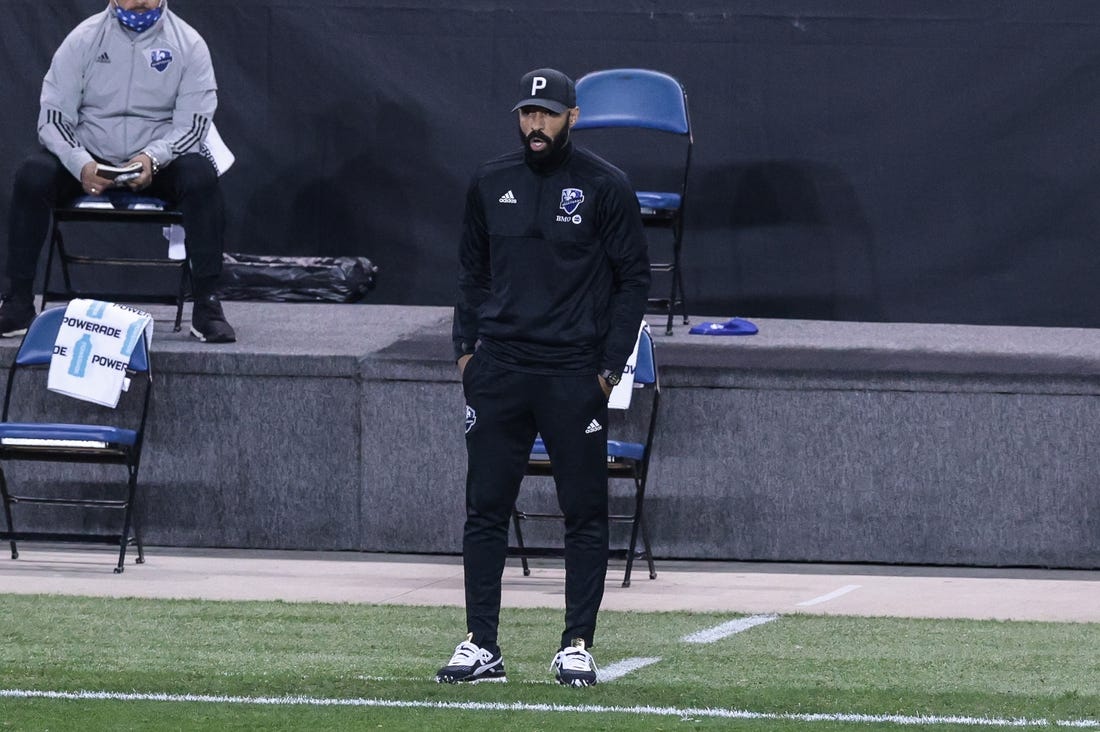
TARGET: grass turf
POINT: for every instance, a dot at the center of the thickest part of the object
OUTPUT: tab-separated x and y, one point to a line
798	665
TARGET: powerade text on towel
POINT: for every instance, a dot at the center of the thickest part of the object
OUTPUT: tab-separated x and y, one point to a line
93	349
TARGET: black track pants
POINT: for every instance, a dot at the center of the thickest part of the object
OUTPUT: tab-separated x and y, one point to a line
504	411
189	183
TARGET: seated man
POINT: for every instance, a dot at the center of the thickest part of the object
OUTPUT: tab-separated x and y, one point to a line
132	84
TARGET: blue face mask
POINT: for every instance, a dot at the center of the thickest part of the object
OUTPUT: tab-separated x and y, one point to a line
138	22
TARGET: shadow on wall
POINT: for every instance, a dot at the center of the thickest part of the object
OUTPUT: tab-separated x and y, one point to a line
354	194
801	245
311	205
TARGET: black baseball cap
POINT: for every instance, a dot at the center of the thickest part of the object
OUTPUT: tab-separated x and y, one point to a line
547	88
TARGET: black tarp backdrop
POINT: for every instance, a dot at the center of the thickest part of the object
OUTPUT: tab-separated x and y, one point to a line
859	160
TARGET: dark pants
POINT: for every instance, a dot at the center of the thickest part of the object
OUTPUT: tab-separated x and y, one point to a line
189	184
509	409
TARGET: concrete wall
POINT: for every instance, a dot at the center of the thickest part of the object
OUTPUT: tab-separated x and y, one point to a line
340	427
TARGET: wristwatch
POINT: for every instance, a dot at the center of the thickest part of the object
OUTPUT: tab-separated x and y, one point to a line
611	377
154	164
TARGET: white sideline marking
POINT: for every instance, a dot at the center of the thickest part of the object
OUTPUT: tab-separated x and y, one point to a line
418	679
623	667
608	673
718	632
682	713
831	596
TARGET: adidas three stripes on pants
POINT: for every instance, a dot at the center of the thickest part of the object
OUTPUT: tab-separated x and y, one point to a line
505	411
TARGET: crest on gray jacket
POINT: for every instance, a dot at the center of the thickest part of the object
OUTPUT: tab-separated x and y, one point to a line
159	58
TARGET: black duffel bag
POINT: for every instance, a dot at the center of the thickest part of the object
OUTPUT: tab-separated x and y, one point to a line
296	279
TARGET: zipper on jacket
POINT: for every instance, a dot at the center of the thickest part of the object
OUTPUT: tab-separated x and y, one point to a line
129	91
536	229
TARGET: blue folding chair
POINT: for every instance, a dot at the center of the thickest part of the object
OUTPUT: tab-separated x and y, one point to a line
75	441
643	99
625	460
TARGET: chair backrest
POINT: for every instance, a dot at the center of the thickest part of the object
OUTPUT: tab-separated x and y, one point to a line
38	343
645	367
632	98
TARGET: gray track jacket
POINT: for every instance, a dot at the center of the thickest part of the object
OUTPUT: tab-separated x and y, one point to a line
113	93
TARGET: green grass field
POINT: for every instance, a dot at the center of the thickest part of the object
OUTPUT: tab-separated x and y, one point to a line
275	666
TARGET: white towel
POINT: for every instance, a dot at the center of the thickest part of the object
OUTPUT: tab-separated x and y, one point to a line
620	395
93	349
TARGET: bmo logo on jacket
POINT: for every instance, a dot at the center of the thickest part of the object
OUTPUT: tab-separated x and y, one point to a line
571	200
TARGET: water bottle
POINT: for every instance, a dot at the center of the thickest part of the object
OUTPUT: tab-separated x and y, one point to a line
132	334
82	352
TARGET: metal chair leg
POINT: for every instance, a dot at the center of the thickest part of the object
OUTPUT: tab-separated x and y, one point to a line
185	280
648	550
49	266
671	298
127	521
138	542
677	273
680	286
56	248
639	492
519	542
676	284
7	512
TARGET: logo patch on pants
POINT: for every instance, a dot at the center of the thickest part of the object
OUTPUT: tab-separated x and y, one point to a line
471	418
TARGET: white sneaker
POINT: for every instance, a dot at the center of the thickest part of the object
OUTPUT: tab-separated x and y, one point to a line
472	663
574	666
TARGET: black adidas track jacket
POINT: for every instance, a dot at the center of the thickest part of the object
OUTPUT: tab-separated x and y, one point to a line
553	267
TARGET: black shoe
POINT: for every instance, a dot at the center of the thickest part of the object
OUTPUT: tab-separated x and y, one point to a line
16	315
574	666
472	663
208	322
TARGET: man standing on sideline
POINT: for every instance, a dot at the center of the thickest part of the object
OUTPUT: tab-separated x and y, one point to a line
553	282
133	84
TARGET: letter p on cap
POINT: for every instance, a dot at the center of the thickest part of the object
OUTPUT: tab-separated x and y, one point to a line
539	82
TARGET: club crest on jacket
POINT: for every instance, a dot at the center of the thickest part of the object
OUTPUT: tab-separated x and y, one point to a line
159	58
571	199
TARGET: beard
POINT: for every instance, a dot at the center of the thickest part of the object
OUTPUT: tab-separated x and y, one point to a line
553	150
